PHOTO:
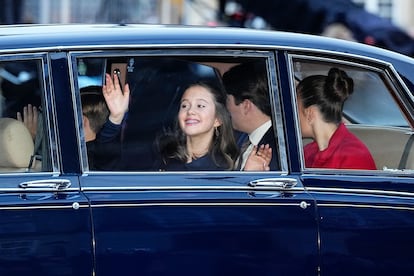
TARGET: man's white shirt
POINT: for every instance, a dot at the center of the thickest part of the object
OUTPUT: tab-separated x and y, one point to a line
255	138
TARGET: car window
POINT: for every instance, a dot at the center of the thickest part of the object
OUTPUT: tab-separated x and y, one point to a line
372	113
24	144
370	98
157	84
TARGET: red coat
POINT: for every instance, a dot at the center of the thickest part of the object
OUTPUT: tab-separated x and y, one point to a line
345	151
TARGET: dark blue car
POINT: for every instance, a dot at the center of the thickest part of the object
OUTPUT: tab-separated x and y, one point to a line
60	215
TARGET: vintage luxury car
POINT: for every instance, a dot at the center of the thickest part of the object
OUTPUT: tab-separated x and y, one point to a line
61	216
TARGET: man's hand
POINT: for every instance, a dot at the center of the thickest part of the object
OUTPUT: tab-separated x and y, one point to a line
259	158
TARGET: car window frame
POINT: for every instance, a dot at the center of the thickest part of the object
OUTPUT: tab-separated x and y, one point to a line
400	93
177	51
47	101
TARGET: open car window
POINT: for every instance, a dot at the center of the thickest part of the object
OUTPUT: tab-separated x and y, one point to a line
156	84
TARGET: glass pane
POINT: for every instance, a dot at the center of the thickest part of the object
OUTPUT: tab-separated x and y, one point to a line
369	100
374	125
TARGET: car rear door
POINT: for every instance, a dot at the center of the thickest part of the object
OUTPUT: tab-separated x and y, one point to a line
366	217
198	223
152	222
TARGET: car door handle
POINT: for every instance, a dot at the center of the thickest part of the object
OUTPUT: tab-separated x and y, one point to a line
282	183
55	184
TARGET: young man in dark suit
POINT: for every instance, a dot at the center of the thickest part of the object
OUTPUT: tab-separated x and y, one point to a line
249	105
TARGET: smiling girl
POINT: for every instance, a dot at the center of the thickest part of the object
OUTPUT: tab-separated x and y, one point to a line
203	136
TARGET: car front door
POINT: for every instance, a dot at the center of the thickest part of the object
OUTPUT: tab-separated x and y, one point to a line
45	226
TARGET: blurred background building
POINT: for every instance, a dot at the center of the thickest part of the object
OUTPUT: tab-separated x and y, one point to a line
384	23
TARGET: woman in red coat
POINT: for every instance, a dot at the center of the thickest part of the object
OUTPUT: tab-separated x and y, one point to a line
321	100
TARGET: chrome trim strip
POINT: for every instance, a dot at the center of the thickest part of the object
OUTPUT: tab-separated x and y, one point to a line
360	191
31	190
383	63
277	113
400	82
25	207
31	174
366	206
77	110
195	204
246	188
187	174
191	189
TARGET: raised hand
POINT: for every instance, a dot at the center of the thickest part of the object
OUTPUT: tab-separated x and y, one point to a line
116	100
29	118
259	158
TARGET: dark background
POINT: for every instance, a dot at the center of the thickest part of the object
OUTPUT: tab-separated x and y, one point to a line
312	16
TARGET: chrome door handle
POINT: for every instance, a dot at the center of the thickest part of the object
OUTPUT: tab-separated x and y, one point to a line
55	184
282	183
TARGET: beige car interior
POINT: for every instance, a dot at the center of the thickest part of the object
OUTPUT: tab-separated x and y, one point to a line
16	146
391	147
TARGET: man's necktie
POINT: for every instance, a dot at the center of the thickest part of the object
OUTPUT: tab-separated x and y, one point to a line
243	153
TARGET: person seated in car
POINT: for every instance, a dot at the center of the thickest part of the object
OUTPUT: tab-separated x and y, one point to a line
248	102
202	138
101	156
320	104
29	116
95	113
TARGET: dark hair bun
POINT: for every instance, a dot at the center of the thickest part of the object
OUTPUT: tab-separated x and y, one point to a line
340	84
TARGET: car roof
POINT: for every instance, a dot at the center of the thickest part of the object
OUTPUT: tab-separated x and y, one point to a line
14	38
67	35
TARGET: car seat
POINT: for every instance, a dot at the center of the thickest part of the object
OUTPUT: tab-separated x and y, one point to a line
16	146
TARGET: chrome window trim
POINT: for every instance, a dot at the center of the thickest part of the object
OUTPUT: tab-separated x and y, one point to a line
385	72
77	110
394	79
54	142
49	114
401	82
232	46
212	52
277	113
